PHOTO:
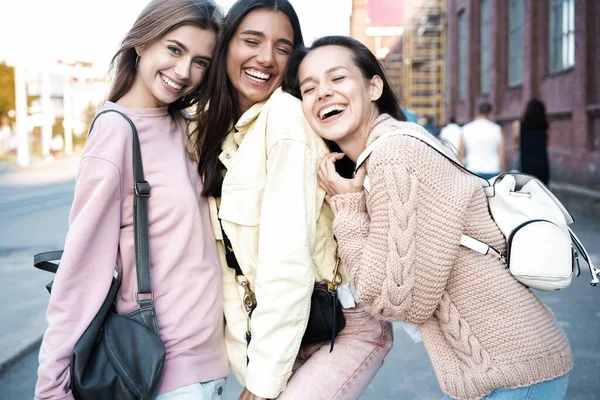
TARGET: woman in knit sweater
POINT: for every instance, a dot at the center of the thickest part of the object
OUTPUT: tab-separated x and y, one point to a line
486	334
159	71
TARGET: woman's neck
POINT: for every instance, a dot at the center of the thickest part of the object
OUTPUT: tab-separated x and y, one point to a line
356	142
138	96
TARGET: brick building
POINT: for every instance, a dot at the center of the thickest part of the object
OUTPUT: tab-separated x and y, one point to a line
408	36
377	23
507	51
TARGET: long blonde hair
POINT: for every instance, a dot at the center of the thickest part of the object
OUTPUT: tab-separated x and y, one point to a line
157	19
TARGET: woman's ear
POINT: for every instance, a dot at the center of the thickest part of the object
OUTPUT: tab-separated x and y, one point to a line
139	49
376	86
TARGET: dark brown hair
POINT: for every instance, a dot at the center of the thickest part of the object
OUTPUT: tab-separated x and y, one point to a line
156	20
215	124
366	61
369	66
535	115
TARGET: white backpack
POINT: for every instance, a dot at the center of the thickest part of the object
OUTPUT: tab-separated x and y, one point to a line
541	250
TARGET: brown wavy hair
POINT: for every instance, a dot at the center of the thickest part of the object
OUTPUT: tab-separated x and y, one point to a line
156	20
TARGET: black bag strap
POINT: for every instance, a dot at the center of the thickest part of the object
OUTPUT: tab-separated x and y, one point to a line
43	260
141	237
140	223
232	262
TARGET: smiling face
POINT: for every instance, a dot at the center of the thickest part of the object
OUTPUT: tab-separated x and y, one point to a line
338	102
257	55
172	66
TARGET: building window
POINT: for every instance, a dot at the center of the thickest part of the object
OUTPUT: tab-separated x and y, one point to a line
486	51
462	55
562	34
515	42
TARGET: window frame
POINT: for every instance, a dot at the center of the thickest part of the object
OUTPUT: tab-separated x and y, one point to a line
516	11
463	54
561	35
485	45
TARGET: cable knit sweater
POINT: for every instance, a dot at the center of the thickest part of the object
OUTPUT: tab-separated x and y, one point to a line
400	244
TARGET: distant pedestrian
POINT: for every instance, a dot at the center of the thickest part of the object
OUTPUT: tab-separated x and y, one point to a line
159	71
531	139
428	122
452	133
482	147
410	115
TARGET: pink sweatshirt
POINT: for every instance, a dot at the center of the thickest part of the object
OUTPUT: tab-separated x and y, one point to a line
185	273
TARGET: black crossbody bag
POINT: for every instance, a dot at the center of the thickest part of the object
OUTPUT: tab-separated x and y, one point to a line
120	357
326	318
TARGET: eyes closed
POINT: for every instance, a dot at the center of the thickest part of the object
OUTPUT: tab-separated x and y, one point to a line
281	49
336	79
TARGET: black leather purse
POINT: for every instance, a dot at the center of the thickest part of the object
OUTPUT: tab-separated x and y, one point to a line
326	318
120	357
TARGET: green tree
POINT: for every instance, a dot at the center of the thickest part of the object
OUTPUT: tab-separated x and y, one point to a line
7	90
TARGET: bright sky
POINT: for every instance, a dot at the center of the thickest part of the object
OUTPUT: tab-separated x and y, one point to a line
41	31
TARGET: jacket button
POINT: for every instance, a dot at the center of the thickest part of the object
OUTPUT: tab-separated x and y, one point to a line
228	156
220	390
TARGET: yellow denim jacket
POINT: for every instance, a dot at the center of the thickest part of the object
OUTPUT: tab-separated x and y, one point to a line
280	228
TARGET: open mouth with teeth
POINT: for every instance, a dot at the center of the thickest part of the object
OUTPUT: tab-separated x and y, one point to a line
331	111
171	84
257	76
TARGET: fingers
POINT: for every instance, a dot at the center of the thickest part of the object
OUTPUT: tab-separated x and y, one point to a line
361	173
330	164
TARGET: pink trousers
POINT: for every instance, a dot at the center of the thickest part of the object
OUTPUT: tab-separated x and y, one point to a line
359	351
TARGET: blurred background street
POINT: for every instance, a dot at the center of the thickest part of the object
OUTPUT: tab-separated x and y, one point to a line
445	58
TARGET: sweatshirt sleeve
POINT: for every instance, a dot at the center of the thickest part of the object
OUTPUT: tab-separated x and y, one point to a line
85	273
285	274
400	263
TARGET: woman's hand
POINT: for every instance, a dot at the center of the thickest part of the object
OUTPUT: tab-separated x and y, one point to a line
248	395
333	183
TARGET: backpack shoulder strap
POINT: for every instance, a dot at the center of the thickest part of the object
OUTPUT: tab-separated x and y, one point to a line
465	240
428	140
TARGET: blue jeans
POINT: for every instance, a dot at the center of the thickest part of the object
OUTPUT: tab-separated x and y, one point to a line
487	175
554	389
211	390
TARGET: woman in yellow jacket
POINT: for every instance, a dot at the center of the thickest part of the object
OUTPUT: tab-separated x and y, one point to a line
258	159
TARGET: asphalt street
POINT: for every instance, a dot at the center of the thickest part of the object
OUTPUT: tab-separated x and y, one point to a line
34	218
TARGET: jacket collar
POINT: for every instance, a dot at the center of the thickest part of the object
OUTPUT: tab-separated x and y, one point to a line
247	119
238	131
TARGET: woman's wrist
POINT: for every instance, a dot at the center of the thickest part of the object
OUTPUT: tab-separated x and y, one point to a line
348	203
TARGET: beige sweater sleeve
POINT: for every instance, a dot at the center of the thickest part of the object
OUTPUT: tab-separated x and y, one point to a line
400	254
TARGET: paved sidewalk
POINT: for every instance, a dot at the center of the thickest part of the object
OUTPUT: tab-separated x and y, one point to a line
40	170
